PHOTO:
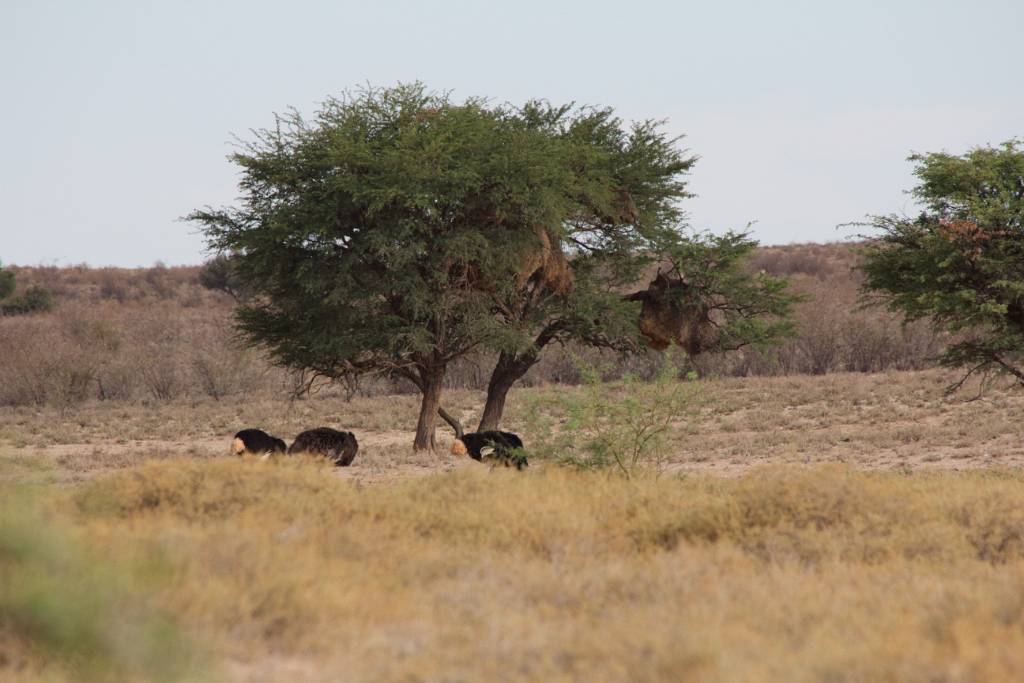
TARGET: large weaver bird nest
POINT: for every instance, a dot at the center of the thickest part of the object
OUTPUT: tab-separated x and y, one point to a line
672	314
546	266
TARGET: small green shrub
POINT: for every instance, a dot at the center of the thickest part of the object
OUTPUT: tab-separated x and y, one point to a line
7	282
35	299
623	425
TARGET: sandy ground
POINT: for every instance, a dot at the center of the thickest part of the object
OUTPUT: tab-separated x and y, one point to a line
900	421
77	461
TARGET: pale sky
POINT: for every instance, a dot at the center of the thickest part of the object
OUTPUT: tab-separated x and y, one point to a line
118	116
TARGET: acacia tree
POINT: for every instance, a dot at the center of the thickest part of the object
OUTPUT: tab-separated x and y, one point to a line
377	237
960	263
398	231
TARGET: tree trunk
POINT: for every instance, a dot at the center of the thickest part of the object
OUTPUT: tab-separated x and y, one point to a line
508	370
432	380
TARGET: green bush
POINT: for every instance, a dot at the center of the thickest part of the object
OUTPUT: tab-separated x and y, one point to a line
622	425
35	299
7	283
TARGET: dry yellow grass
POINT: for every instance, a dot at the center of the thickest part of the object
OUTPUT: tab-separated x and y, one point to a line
862	555
790	573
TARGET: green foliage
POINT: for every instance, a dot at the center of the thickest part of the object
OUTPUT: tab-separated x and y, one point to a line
368	230
219	275
622	426
960	263
747	310
64	610
399	230
35	299
622	215
7	283
709	276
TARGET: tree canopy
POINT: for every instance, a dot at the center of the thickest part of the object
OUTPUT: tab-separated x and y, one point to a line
698	295
384	234
399	230
960	262
704	300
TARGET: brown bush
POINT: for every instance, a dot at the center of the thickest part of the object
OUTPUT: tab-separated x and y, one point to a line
223	367
113	351
43	363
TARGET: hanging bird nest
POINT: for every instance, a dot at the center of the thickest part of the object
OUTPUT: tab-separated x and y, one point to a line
546	267
673	314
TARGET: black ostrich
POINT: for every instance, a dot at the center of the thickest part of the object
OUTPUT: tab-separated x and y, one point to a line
341	447
503	448
256	442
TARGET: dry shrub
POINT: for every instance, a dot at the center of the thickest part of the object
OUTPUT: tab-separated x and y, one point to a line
827	262
43	363
22	379
223	367
817	349
61	282
114	286
123	285
161	281
156	335
108	351
787	574
835	331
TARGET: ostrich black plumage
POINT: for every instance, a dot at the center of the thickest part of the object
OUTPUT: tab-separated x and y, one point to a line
256	442
503	448
341	447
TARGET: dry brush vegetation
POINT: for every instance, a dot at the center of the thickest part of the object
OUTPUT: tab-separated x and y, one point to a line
156	334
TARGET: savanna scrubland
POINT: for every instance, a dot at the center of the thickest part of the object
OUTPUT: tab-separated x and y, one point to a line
157	334
822	511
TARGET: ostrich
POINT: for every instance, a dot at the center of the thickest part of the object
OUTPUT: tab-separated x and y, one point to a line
341	447
257	442
494	447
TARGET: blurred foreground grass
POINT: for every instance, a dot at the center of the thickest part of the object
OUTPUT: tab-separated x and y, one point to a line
68	614
285	572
